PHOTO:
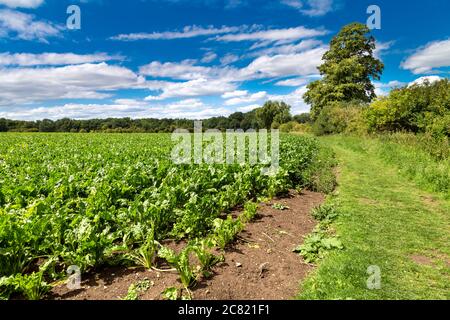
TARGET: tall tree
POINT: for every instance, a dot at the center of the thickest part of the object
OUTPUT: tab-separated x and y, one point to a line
348	70
273	111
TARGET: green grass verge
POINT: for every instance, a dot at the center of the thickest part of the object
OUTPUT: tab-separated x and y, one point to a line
384	220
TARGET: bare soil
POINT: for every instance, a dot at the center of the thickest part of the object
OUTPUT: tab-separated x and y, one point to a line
260	265
422	260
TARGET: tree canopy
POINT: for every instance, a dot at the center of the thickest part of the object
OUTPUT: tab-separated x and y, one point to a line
272	114
348	68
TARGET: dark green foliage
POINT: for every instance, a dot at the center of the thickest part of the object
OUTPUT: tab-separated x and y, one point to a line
105	199
280	114
32	286
302	118
272	114
348	69
321	240
341	117
326	212
418	108
317	245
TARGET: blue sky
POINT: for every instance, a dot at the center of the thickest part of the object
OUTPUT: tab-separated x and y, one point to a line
198	58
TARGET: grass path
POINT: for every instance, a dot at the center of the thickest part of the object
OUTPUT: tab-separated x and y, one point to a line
385	221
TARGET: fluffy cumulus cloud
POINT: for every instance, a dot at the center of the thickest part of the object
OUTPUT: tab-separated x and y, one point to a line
235	94
184	70
266	66
22	3
427	59
422	80
193	88
24	26
246	99
189	109
292	82
294	60
274	53
289	56
85	81
248	108
304	63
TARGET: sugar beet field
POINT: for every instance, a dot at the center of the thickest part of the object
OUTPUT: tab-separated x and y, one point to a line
88	201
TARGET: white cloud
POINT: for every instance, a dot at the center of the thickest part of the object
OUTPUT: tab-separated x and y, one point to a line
73	111
426	59
248	108
202	80
383	89
422	80
290	48
249	98
130	102
184	70
52	59
380	47
186	33
301	64
188	109
23	26
254	33
209	57
22	3
234	94
229	58
194	88
86	81
294	82
294	99
268	36
311	8
186	104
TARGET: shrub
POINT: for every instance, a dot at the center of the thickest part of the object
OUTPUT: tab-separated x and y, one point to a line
302	118
294	126
418	108
340	117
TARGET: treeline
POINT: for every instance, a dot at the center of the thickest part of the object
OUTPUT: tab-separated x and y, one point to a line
273	114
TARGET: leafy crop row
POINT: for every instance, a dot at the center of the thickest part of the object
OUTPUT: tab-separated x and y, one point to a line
103	199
